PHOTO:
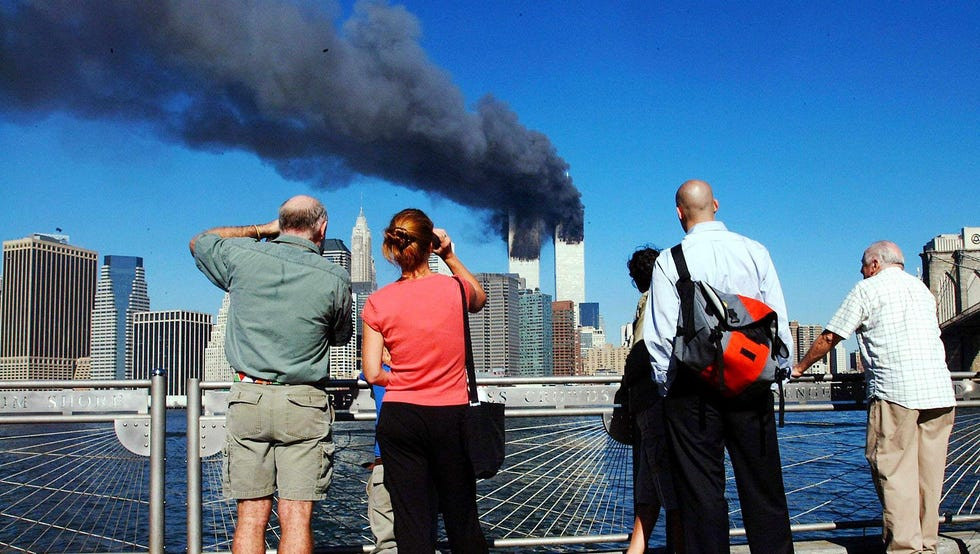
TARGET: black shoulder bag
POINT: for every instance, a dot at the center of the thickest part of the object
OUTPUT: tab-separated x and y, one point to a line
483	426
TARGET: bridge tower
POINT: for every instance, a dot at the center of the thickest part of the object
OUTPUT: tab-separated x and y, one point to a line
951	270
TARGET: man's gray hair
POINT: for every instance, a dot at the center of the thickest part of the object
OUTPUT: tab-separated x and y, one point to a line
886	252
303	216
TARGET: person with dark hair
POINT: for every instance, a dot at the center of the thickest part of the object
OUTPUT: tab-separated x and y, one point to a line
289	304
419	319
652	486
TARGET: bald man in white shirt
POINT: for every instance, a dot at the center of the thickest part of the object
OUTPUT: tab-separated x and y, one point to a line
701	422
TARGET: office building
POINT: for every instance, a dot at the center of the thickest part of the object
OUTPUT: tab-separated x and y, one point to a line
46	307
336	251
537	354
591	337
437	265
605	359
174	340
217	368
529	270
589	314
343	359
360	293
839	363
569	271
495	330
565	339
121	292
362	268
855	363
803	336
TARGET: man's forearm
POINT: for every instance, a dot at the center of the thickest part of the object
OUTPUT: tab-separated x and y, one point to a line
256	231
820	347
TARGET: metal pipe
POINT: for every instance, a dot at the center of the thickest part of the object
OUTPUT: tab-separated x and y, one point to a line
195	519
90	384
158	458
92	418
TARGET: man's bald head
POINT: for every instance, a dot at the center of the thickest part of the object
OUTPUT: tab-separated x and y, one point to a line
304	216
695	203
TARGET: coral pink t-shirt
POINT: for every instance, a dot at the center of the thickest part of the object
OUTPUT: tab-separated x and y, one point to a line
421	321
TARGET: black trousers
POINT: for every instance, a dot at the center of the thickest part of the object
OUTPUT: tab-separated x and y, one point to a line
702	425
427	472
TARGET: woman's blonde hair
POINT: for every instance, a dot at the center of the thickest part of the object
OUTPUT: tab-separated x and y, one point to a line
409	239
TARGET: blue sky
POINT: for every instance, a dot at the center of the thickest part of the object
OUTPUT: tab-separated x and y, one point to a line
822	127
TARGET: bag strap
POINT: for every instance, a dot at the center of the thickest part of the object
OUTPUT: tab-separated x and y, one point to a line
685	290
470	370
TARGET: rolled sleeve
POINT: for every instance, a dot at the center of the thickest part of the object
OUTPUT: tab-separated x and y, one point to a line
210	259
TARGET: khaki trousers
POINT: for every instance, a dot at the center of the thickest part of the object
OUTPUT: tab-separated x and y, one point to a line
907	453
380	515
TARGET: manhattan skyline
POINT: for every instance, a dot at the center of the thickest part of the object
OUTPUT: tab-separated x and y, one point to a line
822	129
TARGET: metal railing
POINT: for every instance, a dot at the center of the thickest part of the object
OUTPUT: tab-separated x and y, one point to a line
558	456
525	398
124	403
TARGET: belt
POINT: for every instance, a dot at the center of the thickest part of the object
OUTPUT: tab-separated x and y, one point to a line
249	379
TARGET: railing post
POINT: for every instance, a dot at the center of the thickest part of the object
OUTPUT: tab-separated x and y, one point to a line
194	521
158	457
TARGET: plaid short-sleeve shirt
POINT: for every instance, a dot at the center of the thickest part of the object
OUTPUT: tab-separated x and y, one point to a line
894	315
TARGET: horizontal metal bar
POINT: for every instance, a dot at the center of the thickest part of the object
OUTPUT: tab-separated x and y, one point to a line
554	541
93	418
964	375
90	384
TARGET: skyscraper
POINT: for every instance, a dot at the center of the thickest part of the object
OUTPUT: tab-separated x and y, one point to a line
569	271
362	268
46	308
537	354
216	364
174	340
803	336
336	251
121	292
437	265
343	359
529	270
565	338
495	329
589	314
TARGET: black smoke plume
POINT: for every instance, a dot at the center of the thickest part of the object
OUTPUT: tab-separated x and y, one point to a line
319	101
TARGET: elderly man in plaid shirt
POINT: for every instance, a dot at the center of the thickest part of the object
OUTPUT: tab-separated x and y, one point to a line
911	401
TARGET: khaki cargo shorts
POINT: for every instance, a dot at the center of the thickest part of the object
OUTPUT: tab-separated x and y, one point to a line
278	437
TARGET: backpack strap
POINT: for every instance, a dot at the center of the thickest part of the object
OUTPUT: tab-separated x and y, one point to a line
685	290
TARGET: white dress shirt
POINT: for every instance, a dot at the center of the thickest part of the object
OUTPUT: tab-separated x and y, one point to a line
894	315
725	260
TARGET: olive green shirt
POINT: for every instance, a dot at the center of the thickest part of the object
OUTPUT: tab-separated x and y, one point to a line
288	305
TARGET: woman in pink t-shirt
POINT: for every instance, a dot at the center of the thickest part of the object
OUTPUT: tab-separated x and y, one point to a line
419	318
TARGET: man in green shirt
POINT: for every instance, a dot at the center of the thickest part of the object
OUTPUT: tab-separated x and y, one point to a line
288	306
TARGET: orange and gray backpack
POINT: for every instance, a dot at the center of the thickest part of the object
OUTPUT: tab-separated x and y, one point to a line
730	341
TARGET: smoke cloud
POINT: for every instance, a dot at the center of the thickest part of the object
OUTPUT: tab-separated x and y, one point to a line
319	101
